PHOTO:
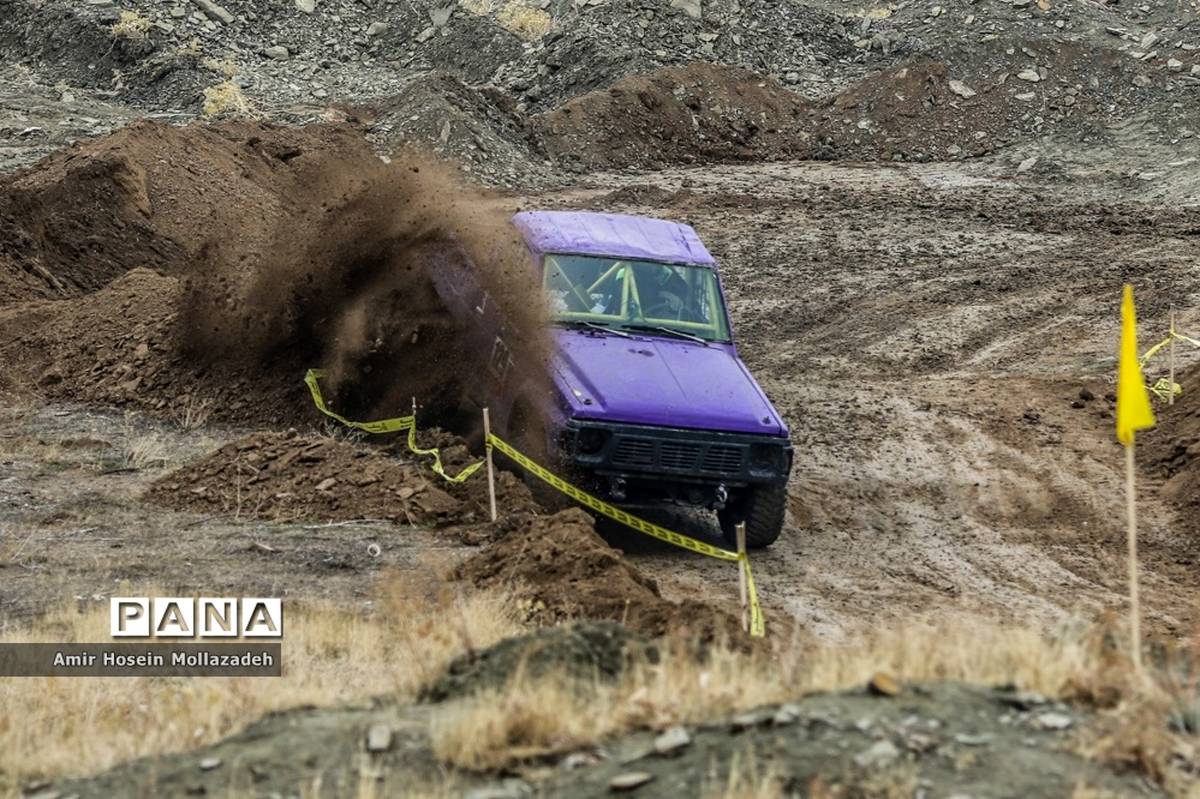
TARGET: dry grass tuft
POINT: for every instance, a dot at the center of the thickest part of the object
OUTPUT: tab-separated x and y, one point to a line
225	98
746	779
331	655
525	21
221	66
131	26
479	7
193	414
514	16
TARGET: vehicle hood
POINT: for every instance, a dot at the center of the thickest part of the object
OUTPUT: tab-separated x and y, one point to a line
659	381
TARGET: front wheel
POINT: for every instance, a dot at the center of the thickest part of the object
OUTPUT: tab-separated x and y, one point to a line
762	509
528	433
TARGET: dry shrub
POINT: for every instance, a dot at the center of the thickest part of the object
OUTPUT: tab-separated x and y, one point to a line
221	66
527	22
225	98
132	26
331	655
478	7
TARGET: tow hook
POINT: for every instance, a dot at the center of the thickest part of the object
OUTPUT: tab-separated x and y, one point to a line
617	488
722	496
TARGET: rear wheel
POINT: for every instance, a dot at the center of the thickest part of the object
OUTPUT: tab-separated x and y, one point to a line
762	509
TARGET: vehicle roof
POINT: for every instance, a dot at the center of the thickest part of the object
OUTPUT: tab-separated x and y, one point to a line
617	235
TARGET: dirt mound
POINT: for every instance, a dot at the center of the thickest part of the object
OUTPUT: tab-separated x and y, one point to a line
566	570
150	195
676	115
333	264
587	651
289	476
1175	449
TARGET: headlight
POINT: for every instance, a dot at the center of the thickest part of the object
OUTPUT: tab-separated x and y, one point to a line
592	440
764	457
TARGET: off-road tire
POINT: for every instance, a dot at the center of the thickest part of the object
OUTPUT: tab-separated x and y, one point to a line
762	509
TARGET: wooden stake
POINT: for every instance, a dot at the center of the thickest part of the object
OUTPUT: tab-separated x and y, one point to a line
740	530
1135	610
487	444
1171	374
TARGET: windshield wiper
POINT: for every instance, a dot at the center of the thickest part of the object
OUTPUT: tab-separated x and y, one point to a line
593	326
669	331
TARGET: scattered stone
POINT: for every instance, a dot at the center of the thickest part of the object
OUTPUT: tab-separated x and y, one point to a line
1087	396
307	6
578	760
689	7
378	29
379	738
672	741
215	12
1030	75
277	52
962	89
1053	721
746	721
1175	65
884	685
210	763
1028	164
327	483
629	780
1141	81
440	17
967	739
881	753
786	714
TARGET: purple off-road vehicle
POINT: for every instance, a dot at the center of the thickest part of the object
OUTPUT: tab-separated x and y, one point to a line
650	403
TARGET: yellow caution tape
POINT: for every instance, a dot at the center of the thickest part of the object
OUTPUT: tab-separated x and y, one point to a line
437	459
757	625
1164	388
409	423
1150	353
394	425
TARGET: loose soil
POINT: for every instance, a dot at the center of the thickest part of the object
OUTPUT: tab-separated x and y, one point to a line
295	477
565	570
1175	449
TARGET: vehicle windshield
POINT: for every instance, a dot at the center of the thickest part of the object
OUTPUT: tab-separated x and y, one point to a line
636	295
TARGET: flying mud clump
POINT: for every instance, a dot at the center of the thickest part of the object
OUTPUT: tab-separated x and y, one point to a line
345	280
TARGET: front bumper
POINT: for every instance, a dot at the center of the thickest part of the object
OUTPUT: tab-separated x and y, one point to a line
643	452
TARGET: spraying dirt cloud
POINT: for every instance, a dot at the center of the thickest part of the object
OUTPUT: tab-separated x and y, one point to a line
348	278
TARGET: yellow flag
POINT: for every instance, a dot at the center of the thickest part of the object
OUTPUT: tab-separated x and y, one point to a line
1133	401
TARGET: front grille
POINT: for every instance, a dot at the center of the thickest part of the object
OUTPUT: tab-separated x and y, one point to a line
646	453
634	452
722	459
678	454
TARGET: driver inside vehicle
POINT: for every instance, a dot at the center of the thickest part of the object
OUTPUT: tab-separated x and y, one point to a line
664	292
